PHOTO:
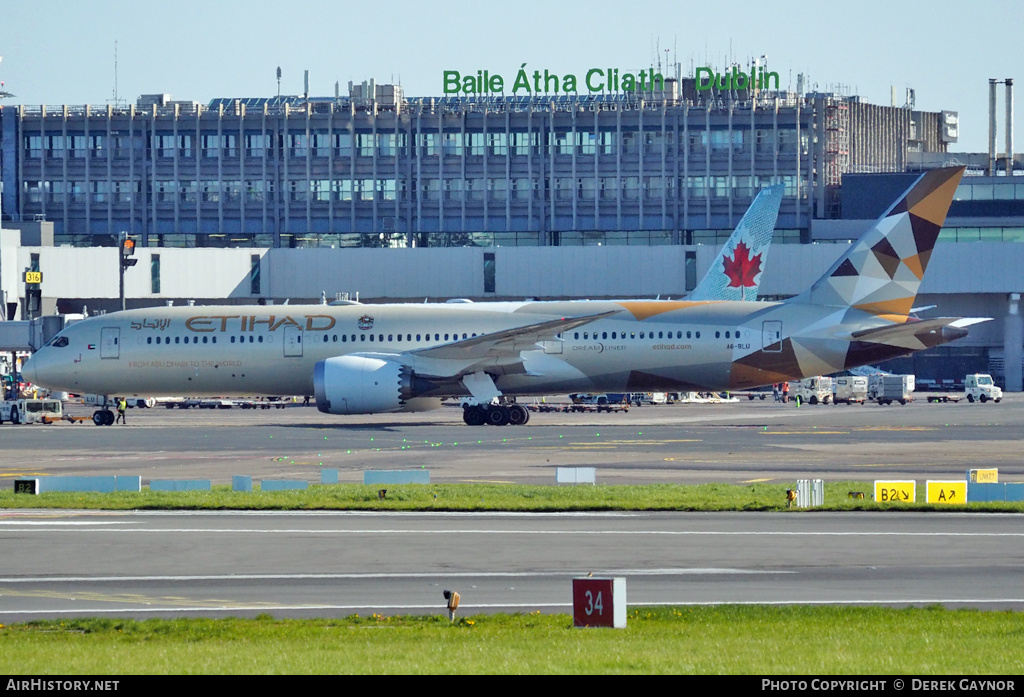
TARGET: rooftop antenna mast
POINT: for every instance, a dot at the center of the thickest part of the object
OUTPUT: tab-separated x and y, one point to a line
279	81
115	73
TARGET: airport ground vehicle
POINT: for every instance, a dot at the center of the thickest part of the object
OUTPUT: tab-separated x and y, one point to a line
30	411
761	393
588	398
979	387
99	400
221	403
886	389
850	389
641	398
815	390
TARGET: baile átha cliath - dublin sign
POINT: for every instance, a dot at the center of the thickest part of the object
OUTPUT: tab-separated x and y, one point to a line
484	82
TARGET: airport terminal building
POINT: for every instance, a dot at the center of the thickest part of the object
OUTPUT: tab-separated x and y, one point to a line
606	195
376	169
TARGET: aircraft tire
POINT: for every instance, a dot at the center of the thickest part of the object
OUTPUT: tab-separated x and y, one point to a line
497	416
473	416
98	418
518	415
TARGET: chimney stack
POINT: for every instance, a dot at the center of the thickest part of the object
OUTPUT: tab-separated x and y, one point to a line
991	127
1009	126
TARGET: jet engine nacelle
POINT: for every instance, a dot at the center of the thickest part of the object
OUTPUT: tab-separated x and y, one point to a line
359	385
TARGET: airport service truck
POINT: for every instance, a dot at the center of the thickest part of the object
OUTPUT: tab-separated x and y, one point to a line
30	411
981	388
886	389
851	389
99	400
816	390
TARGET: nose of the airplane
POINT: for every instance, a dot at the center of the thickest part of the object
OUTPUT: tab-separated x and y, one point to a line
28	369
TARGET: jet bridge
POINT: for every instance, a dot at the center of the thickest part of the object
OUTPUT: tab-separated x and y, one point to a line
29	335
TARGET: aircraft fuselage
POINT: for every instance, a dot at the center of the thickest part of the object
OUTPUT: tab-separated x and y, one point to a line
643	345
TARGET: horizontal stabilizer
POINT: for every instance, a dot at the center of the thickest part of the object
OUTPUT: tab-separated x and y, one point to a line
918	334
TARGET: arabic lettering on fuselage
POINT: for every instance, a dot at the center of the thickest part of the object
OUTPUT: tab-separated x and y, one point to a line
250	323
160	324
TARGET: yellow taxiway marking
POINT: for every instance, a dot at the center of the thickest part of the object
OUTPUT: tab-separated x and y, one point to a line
754	481
23	474
613	443
653	441
131	598
896	428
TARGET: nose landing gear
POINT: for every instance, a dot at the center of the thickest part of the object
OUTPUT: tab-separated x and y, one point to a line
103	417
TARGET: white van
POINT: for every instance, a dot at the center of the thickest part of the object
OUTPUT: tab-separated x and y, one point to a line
980	387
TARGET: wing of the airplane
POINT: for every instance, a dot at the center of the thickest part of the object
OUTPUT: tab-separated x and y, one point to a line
508	341
737	270
502	349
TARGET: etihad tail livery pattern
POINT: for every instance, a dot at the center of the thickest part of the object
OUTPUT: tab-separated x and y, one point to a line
359	359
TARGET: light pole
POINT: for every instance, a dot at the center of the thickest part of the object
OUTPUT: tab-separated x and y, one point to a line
126	258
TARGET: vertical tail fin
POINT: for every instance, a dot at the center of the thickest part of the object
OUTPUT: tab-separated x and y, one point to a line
882	271
736	271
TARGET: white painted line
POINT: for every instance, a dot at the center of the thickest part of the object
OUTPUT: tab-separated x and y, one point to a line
465	608
62	523
484	531
435	574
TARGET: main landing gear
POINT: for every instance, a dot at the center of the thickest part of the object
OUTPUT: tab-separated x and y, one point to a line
495	415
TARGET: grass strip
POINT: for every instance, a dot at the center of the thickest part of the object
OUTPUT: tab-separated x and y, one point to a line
726	639
494	497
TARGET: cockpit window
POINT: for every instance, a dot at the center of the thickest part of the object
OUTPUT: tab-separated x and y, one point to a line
58	342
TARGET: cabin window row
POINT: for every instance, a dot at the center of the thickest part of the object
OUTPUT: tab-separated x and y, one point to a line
394	338
335	338
587	336
178	340
690	334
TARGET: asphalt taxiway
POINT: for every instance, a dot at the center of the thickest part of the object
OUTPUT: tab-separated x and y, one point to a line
145	564
139	564
748	440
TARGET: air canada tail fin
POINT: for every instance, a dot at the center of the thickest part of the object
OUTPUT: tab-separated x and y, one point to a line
882	271
736	272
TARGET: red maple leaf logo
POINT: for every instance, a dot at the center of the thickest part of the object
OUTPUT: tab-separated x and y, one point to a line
741	269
